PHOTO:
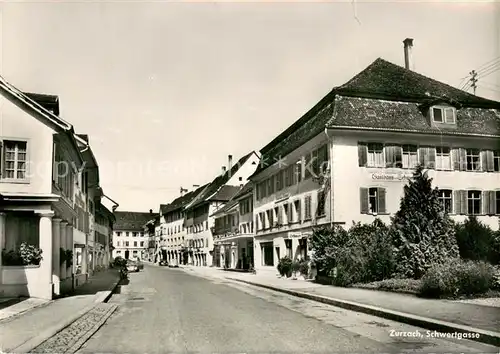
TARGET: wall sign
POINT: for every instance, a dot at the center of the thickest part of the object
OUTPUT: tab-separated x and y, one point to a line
392	176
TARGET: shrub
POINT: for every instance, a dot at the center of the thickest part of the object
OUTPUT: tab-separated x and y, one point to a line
394	285
11	258
31	255
69	258
421	232
285	266
295	267
304	268
476	241
326	242
119	262
457	277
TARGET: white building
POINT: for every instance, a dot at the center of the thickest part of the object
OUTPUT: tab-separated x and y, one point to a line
370	133
129	239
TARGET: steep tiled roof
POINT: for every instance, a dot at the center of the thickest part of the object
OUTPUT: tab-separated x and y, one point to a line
225	193
395	94
131	220
229	205
219	181
408	116
247	188
383	79
181	201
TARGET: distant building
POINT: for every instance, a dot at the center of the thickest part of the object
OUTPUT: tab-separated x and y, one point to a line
129	238
198	213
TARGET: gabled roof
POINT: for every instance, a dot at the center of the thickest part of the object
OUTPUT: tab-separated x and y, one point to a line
132	220
224	194
388	88
232	204
246	190
182	201
218	183
41	107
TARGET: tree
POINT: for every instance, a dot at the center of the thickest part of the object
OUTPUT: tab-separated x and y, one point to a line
421	232
326	242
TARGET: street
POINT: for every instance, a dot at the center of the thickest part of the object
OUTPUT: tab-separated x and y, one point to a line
168	310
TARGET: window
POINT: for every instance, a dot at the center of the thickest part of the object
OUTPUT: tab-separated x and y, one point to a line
393	157
286	212
118	234
496	161
473	202
443	115
298	211
372	200
117	243
280	180
473	160
307	165
410	156
443	158
307	207
321	210
270	186
323	160
497	203
375	155
142	243
288	248
135	243
126	233
126	243
14	158
134	234
276	216
445	199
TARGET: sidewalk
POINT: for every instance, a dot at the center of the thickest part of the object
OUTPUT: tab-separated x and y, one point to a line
477	316
44	321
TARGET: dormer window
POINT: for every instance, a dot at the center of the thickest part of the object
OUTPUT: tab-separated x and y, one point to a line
443	115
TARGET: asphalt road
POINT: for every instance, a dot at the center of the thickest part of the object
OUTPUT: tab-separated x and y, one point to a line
168	310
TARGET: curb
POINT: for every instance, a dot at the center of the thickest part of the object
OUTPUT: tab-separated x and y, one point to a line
32	343
478	335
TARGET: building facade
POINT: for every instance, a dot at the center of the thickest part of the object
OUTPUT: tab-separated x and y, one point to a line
129	239
40	188
348	158
199	221
234	231
172	234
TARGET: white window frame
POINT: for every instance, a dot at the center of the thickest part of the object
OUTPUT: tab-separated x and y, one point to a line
405	151
443	110
473	198
3	160
372	149
440	157
472	153
374	196
443	198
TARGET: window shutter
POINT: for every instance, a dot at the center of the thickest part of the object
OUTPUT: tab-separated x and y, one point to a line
455	154
280	216
463	202
363	200
1	158
486	203
484	162
390	156
362	154
463	159
381	200
493	204
290	213
457	202
422	154
489	161
431	152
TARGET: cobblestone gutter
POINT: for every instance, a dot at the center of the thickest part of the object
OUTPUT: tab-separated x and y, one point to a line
71	338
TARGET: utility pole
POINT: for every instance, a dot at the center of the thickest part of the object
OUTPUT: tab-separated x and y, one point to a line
473	80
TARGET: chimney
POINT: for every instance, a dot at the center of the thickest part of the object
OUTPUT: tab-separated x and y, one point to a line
151	211
408	43
223	170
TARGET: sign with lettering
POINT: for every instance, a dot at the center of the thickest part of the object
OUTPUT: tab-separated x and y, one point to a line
391	176
299	234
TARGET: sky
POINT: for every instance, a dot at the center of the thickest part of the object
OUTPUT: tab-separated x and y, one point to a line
166	90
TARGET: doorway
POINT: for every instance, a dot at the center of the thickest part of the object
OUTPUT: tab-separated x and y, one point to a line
127	254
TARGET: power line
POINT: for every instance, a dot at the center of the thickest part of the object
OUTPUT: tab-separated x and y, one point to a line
487	67
489	71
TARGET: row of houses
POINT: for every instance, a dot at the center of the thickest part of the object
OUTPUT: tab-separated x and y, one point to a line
54	230
345	160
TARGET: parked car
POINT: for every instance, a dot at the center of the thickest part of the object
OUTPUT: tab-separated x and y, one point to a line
163	263
140	264
132	266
